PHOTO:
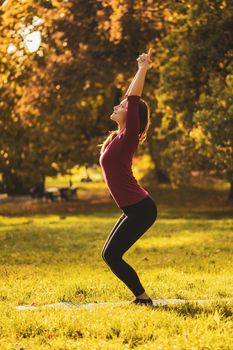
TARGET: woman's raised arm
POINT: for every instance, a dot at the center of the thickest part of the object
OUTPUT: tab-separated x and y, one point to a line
129	88
136	86
133	98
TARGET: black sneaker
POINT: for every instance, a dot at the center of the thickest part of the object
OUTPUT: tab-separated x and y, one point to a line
142	301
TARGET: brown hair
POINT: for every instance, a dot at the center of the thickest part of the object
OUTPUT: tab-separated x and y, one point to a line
144	116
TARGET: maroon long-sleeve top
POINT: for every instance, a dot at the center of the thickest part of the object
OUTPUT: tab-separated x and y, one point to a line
116	159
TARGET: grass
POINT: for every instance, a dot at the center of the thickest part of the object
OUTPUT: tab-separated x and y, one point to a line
51	252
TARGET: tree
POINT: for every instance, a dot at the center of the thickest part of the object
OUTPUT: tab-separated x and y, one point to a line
194	56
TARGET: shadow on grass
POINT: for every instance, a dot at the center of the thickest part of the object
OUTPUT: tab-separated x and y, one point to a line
191	309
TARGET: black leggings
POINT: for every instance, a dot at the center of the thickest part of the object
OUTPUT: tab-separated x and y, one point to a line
130	226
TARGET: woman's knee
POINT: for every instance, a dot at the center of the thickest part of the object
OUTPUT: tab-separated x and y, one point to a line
110	256
106	256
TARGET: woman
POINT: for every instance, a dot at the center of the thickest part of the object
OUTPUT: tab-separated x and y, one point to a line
139	210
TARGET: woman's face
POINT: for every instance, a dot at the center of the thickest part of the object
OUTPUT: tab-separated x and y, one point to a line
119	114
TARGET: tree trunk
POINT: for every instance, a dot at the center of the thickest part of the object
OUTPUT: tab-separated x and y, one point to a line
160	174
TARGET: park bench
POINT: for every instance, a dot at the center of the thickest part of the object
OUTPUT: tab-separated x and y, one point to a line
68	193
54	193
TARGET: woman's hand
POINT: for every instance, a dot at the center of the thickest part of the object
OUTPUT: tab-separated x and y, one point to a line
137	83
144	60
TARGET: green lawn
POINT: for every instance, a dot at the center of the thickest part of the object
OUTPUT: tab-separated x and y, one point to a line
52	253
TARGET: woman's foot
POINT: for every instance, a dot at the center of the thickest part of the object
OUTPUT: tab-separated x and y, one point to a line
143	299
147	301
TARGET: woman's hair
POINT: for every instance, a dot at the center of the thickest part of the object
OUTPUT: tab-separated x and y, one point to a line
144	116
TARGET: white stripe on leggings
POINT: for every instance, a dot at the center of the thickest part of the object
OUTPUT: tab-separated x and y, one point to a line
111	239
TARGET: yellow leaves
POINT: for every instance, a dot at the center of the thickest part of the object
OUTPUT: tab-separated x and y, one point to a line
222	103
229	80
83	103
112	23
82	47
106	25
119	80
222	5
197	133
54	165
99	100
3	153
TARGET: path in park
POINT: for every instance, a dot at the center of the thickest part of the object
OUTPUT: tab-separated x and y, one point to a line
156	303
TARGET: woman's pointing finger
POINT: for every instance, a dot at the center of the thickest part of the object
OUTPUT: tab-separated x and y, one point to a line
149	52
